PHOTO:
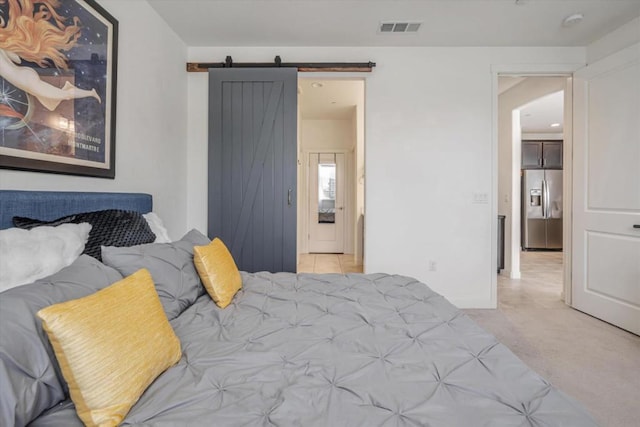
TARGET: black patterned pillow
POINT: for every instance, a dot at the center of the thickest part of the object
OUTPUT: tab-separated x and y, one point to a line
112	227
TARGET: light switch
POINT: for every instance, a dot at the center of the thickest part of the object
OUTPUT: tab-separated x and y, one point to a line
480	198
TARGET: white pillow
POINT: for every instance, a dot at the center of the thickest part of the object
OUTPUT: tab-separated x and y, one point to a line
29	255
156	225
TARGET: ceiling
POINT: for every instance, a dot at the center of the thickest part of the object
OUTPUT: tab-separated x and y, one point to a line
329	99
355	22
538	115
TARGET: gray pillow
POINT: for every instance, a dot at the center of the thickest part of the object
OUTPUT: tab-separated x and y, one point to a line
170	265
30	377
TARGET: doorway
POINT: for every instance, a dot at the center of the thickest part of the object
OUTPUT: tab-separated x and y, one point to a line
533	134
600	214
331	175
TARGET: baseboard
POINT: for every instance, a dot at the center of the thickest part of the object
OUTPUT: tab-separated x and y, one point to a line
473	303
514	274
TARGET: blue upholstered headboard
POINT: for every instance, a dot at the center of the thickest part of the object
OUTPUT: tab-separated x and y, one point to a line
49	205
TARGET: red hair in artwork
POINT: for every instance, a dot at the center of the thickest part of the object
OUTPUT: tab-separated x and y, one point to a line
40	34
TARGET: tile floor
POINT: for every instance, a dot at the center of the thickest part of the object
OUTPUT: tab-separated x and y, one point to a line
588	359
328	263
540	285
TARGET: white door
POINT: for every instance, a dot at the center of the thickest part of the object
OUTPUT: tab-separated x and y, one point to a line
326	202
606	189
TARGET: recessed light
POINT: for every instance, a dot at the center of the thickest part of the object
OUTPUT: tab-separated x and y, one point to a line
572	20
555	125
316	85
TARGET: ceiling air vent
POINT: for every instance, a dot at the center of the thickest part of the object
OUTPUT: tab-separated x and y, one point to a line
399	27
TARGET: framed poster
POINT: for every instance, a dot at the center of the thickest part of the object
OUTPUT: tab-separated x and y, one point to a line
58	61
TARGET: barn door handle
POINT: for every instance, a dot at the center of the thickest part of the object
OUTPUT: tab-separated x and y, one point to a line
289	196
636	225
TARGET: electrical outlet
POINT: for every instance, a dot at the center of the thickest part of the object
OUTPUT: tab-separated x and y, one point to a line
433	266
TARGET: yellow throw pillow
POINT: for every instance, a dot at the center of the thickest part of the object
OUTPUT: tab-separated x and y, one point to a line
218	271
111	345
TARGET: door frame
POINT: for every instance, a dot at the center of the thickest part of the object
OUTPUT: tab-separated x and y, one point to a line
535	70
303	227
304	193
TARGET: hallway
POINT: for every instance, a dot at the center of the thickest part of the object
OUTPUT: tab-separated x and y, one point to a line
328	263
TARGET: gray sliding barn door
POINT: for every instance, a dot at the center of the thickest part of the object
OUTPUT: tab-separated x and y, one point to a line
253	165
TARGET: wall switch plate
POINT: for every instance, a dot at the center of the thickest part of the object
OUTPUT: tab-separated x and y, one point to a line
480	198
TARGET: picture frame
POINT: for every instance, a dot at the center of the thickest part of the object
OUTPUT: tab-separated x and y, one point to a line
58	78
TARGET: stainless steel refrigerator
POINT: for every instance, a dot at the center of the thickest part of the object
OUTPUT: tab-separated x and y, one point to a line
541	209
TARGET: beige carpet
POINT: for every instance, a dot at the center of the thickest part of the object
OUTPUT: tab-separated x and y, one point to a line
590	360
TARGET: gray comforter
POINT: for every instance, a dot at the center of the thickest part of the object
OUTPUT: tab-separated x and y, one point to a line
355	350
291	350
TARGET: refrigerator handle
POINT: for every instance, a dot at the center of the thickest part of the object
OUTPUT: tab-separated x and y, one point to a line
543	198
547	202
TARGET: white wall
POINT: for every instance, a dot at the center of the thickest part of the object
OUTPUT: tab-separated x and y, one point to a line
429	148
151	124
327	134
509	160
622	37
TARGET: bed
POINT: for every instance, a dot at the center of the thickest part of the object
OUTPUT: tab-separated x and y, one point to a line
293	350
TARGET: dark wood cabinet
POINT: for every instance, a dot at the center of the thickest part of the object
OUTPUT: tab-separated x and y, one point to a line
541	154
531	154
552	155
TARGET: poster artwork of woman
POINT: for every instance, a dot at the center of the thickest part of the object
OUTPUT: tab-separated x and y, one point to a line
35	32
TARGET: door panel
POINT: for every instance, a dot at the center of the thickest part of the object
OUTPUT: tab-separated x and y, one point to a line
618	253
553	179
554	233
536	236
252	165
613	150
533	197
533	222
326	202
606	190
